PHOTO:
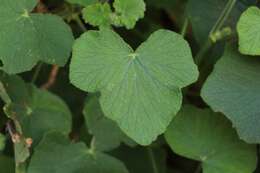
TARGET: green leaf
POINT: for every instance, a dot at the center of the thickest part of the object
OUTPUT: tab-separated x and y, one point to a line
209	137
106	132
233	88
83	2
249	31
140	90
203	20
38	111
57	154
39	37
98	14
2	141
7	164
129	11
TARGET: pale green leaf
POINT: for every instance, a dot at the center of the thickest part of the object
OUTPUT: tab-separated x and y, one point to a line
38	111
140	90
83	2
209	138
57	154
249	31
233	88
37	37
129	11
105	131
98	14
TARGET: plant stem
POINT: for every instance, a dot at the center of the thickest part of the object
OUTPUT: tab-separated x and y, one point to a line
80	23
52	77
21	168
218	25
152	159
36	73
198	169
185	27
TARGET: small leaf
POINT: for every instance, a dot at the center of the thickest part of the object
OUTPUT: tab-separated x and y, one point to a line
249	31
129	11
98	14
39	37
83	2
62	156
208	137
140	90
38	111
233	88
106	132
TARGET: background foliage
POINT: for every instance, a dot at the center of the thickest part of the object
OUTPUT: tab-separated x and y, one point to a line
129	86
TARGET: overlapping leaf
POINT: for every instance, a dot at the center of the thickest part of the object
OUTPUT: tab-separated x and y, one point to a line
233	88
7	164
249	31
38	111
2	142
208	137
26	38
140	90
57	154
106	132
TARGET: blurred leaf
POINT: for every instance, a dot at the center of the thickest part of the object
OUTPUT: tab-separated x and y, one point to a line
38	111
2	141
208	137
140	90
40	37
249	31
233	88
57	154
106	132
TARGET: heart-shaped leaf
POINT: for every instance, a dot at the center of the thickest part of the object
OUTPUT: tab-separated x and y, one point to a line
36	37
209	138
140	90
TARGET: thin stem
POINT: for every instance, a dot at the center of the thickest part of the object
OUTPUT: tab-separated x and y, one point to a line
198	169
80	23
36	72
223	17
185	27
152	159
218	25
52	77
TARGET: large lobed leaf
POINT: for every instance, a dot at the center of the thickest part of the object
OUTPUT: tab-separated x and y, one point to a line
26	38
140	90
209	138
233	88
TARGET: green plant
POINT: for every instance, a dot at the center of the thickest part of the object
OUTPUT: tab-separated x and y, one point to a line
129	86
